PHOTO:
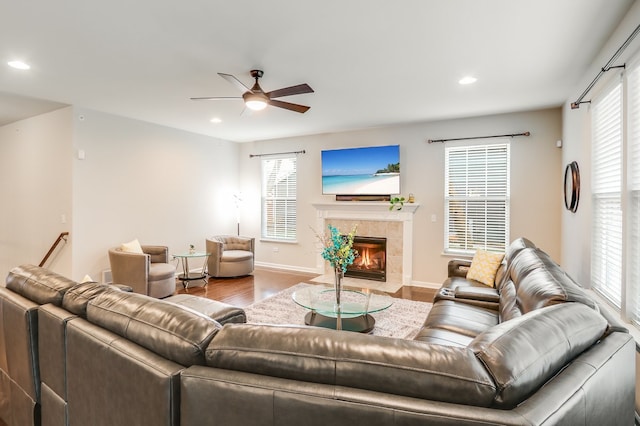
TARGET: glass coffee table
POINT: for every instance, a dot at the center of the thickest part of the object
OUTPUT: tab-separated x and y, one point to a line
356	307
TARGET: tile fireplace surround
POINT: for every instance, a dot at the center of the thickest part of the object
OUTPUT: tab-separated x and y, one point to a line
374	220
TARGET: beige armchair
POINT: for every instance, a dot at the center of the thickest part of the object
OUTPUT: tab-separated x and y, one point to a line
147	273
230	256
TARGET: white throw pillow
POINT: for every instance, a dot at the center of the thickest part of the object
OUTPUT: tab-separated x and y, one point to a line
132	247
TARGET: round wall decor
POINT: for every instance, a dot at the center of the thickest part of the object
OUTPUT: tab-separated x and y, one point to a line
572	186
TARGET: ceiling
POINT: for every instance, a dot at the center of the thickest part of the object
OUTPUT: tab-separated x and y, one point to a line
371	62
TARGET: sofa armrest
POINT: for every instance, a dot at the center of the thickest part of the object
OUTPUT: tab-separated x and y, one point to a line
488	294
458	268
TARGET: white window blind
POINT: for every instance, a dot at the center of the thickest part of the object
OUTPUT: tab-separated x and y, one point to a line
633	164
279	193
477	198
606	187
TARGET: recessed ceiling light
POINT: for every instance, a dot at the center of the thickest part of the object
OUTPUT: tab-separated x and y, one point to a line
467	80
216	120
19	65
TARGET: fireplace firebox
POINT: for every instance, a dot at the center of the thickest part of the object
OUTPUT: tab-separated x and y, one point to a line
371	262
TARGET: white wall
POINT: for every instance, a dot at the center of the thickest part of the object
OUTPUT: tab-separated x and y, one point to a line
35	171
140	180
576	227
536	184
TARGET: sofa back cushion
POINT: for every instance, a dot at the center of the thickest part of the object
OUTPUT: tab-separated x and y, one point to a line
38	284
402	367
542	282
514	248
77	298
524	353
508	306
169	330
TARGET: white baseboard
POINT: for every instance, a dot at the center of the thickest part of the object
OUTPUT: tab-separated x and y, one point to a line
425	284
288	268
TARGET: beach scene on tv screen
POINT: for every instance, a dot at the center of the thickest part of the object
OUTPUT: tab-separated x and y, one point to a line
361	171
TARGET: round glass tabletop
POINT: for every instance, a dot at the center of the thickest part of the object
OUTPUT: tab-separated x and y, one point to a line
354	302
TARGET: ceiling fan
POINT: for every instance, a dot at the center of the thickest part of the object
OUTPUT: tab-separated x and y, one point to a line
257	99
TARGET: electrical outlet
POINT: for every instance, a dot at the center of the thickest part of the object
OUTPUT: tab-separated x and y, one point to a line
276	249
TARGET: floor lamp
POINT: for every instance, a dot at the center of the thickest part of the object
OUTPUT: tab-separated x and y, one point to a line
238	200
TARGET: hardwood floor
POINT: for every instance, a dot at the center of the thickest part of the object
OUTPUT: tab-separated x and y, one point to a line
243	291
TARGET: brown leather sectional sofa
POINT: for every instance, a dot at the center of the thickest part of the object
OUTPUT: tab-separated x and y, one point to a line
535	350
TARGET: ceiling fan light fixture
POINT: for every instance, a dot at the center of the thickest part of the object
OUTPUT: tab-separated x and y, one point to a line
254	101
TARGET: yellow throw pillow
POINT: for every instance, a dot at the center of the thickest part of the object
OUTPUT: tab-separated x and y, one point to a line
484	267
132	247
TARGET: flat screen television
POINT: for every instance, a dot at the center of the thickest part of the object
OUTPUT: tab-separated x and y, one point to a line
373	170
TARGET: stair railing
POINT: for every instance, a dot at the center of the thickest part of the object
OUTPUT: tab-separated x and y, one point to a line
62	237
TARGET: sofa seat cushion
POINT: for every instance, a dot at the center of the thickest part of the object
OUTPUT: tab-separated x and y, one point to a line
236	255
178	334
221	312
461	318
38	284
524	353
161	271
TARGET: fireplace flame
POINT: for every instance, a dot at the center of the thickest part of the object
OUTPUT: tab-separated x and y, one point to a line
369	259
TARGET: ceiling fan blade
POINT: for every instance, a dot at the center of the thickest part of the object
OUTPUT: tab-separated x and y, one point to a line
233	80
288	91
289	106
217	98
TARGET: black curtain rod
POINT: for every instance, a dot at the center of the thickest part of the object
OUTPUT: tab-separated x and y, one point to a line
479	137
607	67
278	153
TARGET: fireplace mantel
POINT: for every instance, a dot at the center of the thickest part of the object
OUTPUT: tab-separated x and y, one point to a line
373	211
366	206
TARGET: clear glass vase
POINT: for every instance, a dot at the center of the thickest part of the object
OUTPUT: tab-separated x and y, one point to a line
339	274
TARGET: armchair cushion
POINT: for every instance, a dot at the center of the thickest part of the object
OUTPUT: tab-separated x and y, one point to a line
132	247
161	271
236	255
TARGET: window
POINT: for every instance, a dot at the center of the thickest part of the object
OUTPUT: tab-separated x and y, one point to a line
606	194
476	198
279	199
615	193
633	162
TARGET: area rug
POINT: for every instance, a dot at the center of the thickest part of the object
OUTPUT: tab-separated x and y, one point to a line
402	319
